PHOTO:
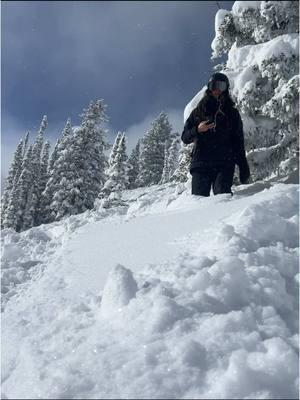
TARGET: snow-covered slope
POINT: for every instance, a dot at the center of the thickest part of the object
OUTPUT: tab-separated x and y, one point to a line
168	296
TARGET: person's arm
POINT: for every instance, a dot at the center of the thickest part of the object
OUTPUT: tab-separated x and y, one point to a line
239	150
190	129
191	132
194	128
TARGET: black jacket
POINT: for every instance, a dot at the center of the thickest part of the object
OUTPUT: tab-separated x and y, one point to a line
222	144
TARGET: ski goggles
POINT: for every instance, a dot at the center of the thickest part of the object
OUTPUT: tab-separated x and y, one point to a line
221	85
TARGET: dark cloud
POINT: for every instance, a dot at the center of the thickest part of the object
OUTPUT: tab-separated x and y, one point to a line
140	57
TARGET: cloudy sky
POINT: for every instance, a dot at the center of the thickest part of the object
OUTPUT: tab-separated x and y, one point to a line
141	57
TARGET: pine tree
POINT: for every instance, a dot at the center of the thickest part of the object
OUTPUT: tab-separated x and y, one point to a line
118	179
124	167
59	166
36	171
30	210
61	205
18	200
11	181
112	156
133	164
11	216
53	156
44	165
67	131
255	23
261	39
166	171
44	176
111	161
85	162
25	147
174	156
181	173
171	160
25	199
153	150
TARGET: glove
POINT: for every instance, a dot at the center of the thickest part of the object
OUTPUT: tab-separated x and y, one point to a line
244	171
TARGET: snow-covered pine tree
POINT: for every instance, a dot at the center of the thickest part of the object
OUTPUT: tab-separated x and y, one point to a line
44	165
59	167
44	176
166	170
86	164
153	151
182	172
173	156
36	171
30	212
25	147
114	149
61	205
133	163
14	215
122	150
53	156
261	39
117	173
11	216
11	181
111	161
67	131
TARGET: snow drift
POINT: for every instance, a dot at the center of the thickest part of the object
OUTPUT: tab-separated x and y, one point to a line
215	317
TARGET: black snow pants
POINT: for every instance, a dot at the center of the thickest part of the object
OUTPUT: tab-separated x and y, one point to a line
219	177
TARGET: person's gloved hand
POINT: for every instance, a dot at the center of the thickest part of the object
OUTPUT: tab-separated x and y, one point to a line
244	171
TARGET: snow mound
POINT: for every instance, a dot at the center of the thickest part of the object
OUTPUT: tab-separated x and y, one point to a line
240	6
119	289
241	57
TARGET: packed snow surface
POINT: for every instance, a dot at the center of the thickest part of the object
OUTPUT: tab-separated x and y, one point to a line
168	296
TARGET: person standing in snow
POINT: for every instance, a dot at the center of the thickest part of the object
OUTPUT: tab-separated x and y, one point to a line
216	128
